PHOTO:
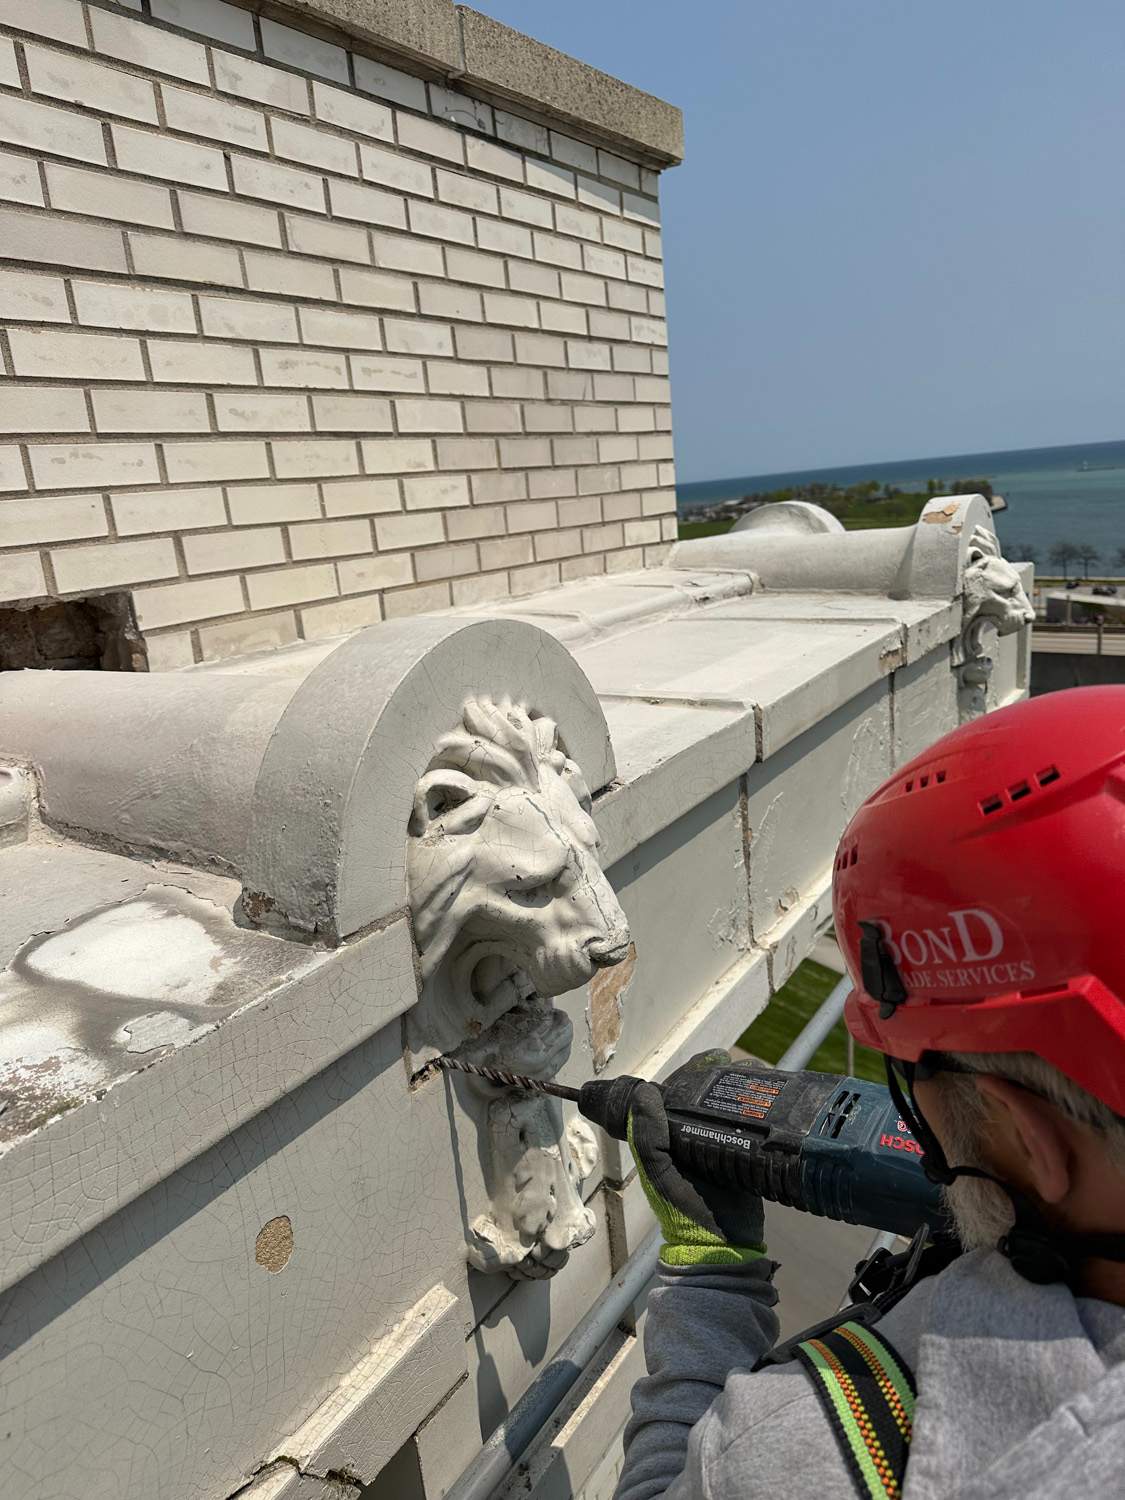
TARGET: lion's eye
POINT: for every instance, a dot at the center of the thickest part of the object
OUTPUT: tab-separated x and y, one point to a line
540	892
532	895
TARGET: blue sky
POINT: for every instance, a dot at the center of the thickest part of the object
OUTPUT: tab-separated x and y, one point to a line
899	229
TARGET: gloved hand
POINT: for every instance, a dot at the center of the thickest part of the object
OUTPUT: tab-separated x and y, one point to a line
703	1224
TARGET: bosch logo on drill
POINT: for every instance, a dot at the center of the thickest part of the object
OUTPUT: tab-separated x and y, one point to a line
969	949
903	1142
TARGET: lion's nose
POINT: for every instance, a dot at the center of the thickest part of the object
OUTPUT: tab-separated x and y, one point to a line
605	952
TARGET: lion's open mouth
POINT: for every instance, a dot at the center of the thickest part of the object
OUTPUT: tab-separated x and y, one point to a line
497	984
532	1038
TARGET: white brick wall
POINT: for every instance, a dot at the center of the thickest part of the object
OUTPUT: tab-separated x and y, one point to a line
283	355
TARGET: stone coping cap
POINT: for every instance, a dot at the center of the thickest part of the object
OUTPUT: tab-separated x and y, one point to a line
476	51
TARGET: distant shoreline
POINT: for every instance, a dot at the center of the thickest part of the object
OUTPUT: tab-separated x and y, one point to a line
1070	456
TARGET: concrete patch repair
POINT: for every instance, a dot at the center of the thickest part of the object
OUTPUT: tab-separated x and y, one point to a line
274	1244
444	745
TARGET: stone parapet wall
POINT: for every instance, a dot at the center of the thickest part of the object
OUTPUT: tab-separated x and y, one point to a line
294	340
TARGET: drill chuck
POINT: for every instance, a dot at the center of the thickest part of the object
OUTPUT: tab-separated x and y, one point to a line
606	1101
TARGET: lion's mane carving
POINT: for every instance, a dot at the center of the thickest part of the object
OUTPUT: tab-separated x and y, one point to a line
510	907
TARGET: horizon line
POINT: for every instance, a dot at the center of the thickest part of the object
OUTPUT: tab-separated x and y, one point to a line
888	463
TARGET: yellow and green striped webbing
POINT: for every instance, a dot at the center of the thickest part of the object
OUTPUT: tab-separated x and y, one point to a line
868	1395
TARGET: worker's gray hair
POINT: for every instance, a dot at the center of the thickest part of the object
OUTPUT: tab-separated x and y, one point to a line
981	1210
1031	1072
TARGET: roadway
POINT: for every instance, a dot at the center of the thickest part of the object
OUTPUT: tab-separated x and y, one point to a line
1077	640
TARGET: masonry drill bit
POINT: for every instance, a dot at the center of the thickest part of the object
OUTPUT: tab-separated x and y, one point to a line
505	1079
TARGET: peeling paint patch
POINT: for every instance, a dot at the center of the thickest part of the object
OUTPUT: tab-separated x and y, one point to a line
603	1015
939	517
727	926
868	762
159	1028
274	1244
891	659
44	1077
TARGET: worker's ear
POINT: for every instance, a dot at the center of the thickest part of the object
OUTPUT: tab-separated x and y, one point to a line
1033	1133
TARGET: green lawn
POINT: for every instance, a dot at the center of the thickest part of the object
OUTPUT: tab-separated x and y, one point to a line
794	1004
690	529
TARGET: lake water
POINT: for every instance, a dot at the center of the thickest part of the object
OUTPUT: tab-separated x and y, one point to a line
1051	496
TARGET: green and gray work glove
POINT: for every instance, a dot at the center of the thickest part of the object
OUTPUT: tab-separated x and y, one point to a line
703	1224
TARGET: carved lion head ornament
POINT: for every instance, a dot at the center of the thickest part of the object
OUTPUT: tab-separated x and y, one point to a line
993	589
510	907
508	898
995	604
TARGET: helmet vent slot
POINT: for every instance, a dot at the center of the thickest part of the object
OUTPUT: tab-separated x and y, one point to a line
1018	790
854	856
922	782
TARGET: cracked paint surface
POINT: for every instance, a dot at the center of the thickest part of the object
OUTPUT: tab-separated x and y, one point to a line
176	1361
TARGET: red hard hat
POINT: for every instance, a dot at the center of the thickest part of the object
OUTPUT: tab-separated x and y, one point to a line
978	894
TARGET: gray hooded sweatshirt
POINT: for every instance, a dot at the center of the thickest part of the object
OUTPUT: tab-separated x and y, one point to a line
1021	1393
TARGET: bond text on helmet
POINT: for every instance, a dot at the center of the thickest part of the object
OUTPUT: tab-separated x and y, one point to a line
968	949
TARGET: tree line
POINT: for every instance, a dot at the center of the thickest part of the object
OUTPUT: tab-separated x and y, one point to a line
1064	555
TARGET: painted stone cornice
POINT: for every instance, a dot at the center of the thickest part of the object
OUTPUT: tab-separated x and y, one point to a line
481	54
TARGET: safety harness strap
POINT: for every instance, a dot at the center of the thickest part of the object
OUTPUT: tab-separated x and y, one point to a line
868	1395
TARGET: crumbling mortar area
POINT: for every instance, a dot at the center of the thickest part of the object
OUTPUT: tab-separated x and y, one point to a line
258	913
343	1484
161	856
747	850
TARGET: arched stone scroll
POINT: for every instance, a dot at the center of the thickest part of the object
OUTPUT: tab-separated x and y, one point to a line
925	561
300	787
951	553
790	518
